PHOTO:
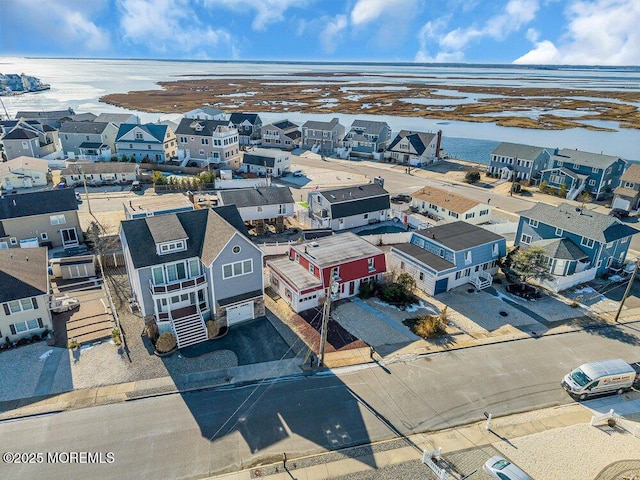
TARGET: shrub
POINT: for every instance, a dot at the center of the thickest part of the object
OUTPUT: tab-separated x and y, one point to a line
543	186
395	293
367	290
562	192
213	329
472	177
166	342
551	190
72	343
428	326
407	281
115	335
152	332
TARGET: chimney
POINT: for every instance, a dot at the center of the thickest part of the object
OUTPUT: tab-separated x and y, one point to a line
438	143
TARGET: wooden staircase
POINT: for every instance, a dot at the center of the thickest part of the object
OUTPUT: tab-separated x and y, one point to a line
481	280
188	326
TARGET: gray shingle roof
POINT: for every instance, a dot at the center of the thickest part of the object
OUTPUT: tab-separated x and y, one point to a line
561	248
582	222
38	203
23	273
299	276
237	118
419	140
44	114
19	134
517	150
356	200
439	264
460	235
254	197
284	124
165	228
84	127
262	156
369	126
188	126
208	231
116	118
320	125
587	159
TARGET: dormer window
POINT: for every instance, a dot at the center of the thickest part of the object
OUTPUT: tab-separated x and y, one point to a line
138	135
170	247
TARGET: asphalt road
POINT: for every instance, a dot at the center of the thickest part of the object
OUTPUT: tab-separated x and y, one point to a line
208	432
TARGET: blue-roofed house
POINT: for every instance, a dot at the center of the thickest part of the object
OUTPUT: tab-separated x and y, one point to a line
525	160
148	142
584	171
581	244
414	148
447	256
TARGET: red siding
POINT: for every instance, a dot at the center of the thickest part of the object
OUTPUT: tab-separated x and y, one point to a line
357	269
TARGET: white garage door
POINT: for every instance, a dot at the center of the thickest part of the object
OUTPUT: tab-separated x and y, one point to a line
621	203
239	313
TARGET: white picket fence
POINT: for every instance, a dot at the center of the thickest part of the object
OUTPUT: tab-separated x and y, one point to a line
629	426
277	248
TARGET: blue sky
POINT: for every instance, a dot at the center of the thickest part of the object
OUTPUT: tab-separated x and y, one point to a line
578	32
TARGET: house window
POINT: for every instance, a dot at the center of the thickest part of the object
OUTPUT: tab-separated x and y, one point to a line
371	264
610	244
624	240
204	141
57	219
310	268
421	276
22	305
587	242
592	182
533	223
138	135
525	239
176	271
335	273
496	250
467	258
194	267
237	269
259	209
595	170
559	232
441	252
401	265
44	236
171	247
366	215
158	276
21	327
484	212
13	241
236	249
201	152
469	215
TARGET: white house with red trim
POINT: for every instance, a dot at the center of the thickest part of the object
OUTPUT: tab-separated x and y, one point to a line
302	278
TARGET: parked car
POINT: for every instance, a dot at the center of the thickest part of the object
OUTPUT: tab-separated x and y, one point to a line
619	213
78	198
298	173
502	469
64	304
402	198
136	185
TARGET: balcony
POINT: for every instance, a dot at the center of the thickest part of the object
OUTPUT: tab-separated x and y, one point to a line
176	286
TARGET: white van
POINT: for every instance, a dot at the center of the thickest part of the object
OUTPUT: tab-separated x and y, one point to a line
598	378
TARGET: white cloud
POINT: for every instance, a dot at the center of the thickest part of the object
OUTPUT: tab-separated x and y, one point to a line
329	37
599	32
533	35
67	24
366	11
451	44
266	11
167	26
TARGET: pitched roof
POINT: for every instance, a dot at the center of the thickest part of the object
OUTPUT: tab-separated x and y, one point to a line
582	222
587	159
165	228
206	229
254	197
38	203
561	248
29	114
356	200
19	133
517	150
237	118
99	167
188	126
116	118
84	127
207	110
436	262
369	126
82	117
443	198
156	131
295	273
336	249
419	140
632	174
262	156
460	235
23	273
284	124
23	162
320	125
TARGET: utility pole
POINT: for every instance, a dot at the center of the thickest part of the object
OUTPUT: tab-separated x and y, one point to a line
326	314
86	192
513	177
626	293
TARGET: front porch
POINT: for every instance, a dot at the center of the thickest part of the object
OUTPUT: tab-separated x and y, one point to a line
186	323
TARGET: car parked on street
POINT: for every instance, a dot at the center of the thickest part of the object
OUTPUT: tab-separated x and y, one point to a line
502	469
401	198
298	173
